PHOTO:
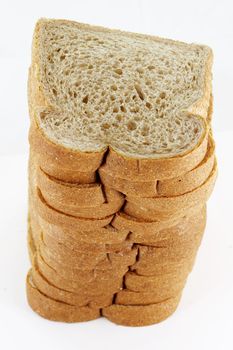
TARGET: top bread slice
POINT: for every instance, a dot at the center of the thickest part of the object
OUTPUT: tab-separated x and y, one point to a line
139	99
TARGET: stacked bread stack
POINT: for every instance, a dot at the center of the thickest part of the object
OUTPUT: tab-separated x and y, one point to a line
121	166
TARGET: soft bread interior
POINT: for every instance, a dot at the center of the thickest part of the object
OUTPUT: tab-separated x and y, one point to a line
132	92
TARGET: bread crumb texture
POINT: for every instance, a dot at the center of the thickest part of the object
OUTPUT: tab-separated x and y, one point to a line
124	90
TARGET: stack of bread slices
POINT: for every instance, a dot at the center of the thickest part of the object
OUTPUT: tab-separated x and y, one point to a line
121	165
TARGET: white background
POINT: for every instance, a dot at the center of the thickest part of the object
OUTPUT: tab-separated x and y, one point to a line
204	319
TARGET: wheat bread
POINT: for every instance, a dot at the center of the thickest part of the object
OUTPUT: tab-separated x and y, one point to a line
107	235
55	216
148	214
141	120
53	113
92	287
187	232
64	220
53	157
190	180
77	247
115	266
87	282
81	275
54	310
53	237
80	260
168	187
141	315
43	285
81	195
127	186
198	196
114	200
128	297
122	221
160	284
145	269
86	200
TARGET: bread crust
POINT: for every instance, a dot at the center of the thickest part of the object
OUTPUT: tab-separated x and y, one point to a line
87	287
85	201
80	195
67	221
142	187
54	310
192	179
141	315
160	284
64	296
162	168
94	251
128	297
174	203
148	214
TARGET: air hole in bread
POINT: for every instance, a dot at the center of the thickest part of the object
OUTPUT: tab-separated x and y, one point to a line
131	125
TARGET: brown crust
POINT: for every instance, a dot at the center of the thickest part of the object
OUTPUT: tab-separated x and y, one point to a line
61	157
185	231
160	284
127	186
71	298
141	315
97	237
128	297
123	221
80	195
163	168
54	310
82	255
145	269
77	247
170	187
149	214
88	287
66	221
82	260
191	180
173	203
85	201
102	235
114	264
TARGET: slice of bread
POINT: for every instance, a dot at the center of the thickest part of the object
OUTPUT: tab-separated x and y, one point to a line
144	98
64	296
128	297
107	235
87	287
149	214
124	221
190	180
77	247
55	310
80	195
170	187
170	267
184	232
92	201
160	283
66	221
174	203
141	315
